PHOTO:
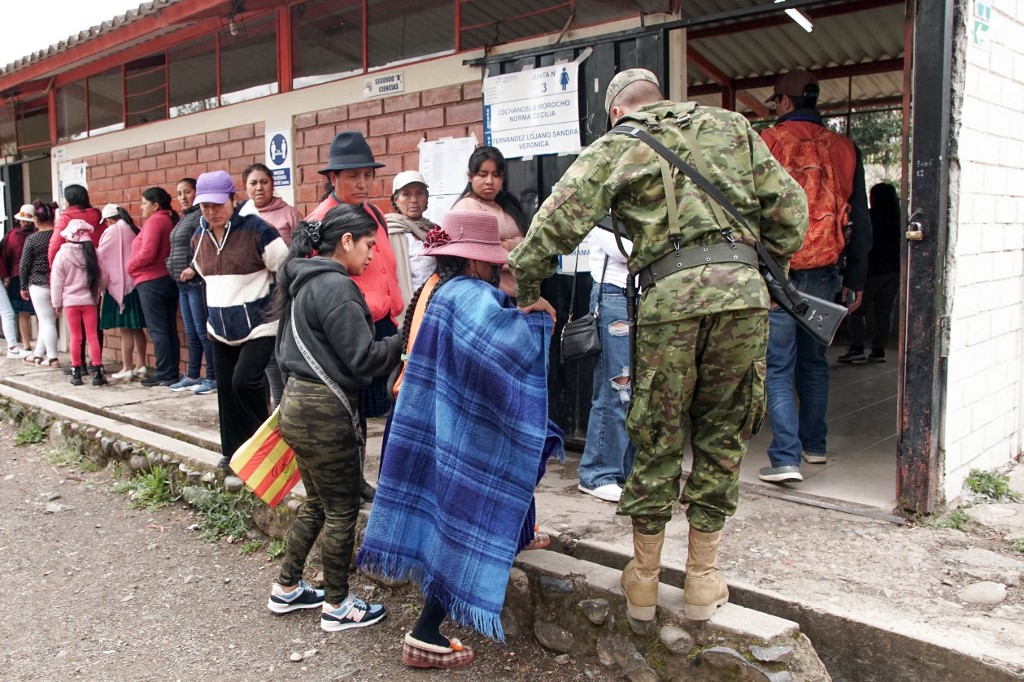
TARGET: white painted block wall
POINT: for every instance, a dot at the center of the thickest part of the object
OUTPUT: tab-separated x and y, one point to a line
983	421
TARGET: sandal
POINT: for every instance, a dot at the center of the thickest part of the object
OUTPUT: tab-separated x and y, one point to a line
32	359
540	541
417	654
53	362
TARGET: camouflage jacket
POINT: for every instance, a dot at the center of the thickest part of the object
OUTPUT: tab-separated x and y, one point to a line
623	174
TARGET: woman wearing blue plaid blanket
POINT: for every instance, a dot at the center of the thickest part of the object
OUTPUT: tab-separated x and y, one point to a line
326	351
468	441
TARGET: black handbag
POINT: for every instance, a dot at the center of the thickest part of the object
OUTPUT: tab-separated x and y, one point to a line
581	337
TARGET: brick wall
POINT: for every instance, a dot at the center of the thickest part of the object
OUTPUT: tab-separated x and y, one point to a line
393	127
120	177
983	421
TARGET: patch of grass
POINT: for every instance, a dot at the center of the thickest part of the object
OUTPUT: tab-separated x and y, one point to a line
152	490
224	514
68	453
250	547
1017	546
995	487
120	470
29	434
275	550
954	519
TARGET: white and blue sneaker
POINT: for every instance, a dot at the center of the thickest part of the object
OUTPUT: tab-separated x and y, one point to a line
353	613
186	384
204	387
302	597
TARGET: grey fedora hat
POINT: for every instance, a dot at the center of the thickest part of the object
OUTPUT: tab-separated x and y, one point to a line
349	150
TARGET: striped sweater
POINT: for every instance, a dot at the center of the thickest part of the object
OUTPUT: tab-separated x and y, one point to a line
239	276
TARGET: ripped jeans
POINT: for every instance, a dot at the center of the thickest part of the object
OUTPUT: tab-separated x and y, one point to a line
608	454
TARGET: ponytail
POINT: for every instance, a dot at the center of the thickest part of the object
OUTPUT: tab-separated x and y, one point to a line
92	266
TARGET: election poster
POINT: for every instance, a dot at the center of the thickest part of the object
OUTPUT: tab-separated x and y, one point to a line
533	112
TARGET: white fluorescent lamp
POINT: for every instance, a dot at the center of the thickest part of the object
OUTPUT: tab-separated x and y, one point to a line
797	16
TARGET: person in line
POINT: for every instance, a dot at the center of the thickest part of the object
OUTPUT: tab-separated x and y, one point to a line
35	284
455	497
883	282
76	198
608	453
191	295
75	285
121	308
350	171
407	227
237	255
701	331
158	293
259	187
485	191
11	247
828	166
324	309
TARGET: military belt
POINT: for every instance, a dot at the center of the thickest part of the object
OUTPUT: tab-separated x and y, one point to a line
692	256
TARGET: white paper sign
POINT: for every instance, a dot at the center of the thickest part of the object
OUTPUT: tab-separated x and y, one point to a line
534	111
387	84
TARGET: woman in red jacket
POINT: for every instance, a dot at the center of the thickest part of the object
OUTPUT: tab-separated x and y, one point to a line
158	293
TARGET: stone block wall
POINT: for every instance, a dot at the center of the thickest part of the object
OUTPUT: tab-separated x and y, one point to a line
985	277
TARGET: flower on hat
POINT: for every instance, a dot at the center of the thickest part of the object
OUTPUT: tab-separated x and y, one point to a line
77	230
436	237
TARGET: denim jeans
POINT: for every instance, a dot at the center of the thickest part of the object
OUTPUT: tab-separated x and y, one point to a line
608	454
159	299
192	301
797	372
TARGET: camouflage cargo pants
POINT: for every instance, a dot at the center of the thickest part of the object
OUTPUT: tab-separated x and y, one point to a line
317	427
710	369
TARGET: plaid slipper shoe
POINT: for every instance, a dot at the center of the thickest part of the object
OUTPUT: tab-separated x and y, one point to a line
417	654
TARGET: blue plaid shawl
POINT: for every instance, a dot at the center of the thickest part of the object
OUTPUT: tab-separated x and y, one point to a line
466	445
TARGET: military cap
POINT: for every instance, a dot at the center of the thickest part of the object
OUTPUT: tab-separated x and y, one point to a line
624	79
793	84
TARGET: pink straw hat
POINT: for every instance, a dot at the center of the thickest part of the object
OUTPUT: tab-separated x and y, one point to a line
467	234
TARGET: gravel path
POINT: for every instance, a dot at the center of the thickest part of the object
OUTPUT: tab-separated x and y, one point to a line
100	591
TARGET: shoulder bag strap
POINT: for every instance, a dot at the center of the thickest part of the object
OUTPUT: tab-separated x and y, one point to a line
328	381
767	261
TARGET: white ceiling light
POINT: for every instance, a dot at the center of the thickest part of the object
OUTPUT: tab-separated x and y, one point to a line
799	17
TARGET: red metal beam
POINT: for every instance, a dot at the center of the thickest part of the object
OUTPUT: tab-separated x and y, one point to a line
826	73
716	74
112	39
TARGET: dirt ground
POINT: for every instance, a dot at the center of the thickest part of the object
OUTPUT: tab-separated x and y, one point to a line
99	591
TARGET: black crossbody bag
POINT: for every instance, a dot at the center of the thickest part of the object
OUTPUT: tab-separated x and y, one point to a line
818	317
581	337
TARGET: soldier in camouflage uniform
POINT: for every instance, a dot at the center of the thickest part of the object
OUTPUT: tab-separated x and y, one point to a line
701	331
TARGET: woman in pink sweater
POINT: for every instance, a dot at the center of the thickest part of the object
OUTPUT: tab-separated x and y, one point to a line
158	293
75	285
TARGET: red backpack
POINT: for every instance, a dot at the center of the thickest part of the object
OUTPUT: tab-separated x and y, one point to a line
812	163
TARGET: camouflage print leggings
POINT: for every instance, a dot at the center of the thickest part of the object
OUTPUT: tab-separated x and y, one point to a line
710	369
317	427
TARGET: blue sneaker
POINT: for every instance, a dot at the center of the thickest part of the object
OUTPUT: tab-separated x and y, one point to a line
302	597
353	613
185	384
205	387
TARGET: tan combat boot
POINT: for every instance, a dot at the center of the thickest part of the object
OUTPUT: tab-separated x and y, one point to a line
640	576
705	589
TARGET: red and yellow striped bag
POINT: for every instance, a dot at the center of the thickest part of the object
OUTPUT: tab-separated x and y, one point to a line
266	463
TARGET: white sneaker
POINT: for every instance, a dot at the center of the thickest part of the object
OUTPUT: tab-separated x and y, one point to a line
610	492
15	352
815	458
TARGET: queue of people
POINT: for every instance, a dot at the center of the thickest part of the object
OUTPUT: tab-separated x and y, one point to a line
314	305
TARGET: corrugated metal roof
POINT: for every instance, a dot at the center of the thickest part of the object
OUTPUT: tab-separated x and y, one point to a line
859	37
144	10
